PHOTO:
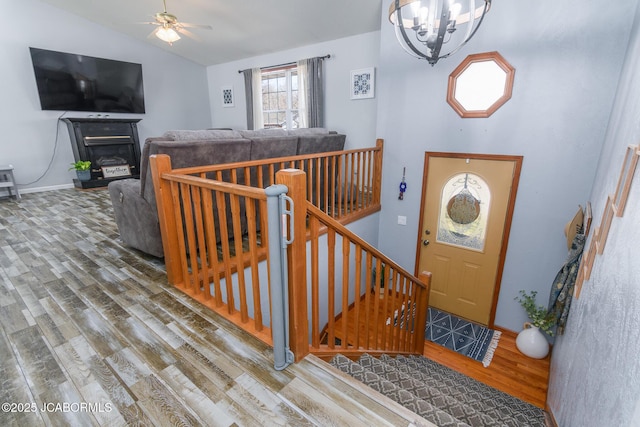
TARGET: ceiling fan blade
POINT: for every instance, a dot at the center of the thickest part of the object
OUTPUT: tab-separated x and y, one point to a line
200	26
189	34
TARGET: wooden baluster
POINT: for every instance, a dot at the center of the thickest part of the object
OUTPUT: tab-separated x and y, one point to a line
314	228
346	246
377	172
358	295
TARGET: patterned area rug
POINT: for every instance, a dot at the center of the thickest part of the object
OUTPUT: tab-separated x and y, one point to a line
464	337
440	395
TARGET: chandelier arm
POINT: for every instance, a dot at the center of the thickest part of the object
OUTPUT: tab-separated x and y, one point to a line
404	34
442	29
484	12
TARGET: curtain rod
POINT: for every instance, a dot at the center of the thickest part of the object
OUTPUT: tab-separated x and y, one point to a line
286	63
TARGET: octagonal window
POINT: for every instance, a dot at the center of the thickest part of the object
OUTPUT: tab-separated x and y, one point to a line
480	85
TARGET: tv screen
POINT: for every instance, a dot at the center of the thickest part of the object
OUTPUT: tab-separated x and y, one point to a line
83	83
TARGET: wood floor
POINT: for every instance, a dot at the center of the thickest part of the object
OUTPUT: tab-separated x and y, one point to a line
509	371
91	334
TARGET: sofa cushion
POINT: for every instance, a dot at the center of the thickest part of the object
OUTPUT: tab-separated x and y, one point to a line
312	144
194	153
262	133
268	148
198	135
308	131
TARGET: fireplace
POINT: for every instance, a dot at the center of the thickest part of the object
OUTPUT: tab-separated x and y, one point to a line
111	145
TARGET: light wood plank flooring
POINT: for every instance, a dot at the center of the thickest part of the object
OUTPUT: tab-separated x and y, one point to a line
91	334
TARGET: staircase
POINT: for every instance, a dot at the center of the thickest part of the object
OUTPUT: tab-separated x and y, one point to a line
439	394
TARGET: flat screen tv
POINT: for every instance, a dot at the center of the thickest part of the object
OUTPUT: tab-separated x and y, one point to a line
83	83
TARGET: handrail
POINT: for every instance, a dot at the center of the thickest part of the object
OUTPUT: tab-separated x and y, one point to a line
385	313
344	184
207	248
215	233
365	318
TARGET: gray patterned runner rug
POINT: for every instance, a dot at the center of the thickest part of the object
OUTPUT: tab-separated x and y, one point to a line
438	394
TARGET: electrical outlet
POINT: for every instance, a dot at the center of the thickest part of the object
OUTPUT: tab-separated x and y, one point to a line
402	220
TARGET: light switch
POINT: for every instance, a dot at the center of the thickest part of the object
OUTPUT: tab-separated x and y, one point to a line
402	220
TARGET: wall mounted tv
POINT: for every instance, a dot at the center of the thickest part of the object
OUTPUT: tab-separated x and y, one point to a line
83	83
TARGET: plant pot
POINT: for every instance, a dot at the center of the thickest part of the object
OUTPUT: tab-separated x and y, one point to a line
84	175
532	342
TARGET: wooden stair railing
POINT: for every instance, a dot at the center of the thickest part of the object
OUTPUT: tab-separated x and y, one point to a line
344	184
215	236
206	253
362	314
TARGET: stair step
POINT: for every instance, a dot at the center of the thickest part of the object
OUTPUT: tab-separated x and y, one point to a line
405	398
451	390
523	412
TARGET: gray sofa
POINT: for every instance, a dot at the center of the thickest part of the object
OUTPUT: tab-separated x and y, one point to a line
134	201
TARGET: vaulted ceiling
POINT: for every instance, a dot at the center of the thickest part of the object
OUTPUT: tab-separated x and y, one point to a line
241	28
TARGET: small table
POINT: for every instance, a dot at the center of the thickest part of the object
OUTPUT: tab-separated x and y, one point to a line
7	181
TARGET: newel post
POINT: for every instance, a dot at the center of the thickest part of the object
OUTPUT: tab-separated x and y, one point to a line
421	313
377	171
296	182
160	164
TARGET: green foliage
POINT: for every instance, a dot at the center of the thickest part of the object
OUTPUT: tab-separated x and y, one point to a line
537	313
81	165
381	278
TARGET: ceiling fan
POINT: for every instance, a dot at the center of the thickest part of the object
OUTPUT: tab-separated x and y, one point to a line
169	26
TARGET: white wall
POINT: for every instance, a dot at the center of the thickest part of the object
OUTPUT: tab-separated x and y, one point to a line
595	369
355	118
175	89
567	60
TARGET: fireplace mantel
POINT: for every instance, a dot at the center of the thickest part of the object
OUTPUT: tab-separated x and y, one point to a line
111	145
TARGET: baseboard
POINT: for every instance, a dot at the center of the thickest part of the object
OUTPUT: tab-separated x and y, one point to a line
549	418
43	189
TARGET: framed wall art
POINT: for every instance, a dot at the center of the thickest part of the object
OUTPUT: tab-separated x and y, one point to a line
626	177
227	96
605	225
590	256
363	83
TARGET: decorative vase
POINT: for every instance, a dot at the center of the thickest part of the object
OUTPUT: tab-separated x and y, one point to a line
83	175
532	342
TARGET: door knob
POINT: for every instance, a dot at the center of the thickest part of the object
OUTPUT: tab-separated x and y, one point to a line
425	243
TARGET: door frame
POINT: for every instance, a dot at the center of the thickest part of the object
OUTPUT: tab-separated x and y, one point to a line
508	217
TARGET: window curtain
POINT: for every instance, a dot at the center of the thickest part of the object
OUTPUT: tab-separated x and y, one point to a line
311	87
253	98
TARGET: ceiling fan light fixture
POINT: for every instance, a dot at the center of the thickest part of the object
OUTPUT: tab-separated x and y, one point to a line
167	34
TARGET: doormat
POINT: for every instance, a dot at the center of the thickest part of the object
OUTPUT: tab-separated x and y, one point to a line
462	336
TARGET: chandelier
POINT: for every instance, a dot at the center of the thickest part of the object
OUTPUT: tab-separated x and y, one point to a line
424	27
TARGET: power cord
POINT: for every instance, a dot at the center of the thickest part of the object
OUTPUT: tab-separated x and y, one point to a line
55	148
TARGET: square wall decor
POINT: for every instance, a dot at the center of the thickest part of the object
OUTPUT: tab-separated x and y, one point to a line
363	83
227	96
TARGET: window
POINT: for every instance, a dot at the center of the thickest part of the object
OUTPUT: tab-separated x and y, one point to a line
464	209
280	98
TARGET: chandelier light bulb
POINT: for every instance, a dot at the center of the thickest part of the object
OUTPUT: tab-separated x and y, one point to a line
439	30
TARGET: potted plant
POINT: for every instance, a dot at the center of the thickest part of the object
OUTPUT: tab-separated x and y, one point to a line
380	280
83	169
531	340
